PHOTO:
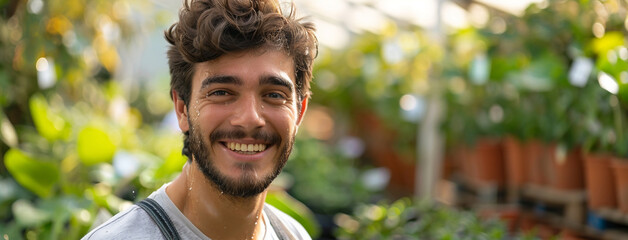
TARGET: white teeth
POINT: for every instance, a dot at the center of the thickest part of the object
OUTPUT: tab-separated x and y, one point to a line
246	147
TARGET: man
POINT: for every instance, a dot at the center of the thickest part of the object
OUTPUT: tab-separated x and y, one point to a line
240	84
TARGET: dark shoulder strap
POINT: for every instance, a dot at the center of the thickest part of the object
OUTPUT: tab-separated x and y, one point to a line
160	217
279	227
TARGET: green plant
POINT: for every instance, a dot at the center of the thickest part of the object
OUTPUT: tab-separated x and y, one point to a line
324	179
61	145
371	76
531	60
77	160
407	219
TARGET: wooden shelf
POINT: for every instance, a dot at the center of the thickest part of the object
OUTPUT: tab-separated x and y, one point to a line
612	215
614	235
551	195
473	192
561	209
573	201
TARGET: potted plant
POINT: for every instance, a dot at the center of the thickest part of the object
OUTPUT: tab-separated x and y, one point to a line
598	155
405	219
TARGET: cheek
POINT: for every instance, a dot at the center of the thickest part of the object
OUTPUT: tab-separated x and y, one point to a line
287	120
206	119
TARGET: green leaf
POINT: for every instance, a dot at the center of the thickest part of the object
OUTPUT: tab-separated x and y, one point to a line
61	208
297	210
8	190
28	215
36	175
610	40
623	93
543	74
49	125
6	94
94	146
612	63
173	164
11	230
3	2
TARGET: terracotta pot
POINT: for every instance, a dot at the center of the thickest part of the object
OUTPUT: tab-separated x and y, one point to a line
508	215
516	166
620	169
527	223
467	159
378	138
535	154
567	234
450	164
566	170
547	231
488	163
600	181
537	227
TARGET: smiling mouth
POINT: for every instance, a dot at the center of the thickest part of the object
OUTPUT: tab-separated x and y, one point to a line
245	148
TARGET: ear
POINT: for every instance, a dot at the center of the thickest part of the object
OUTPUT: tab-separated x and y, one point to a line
181	111
302	112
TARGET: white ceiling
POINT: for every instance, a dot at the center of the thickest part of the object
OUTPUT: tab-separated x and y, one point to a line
338	20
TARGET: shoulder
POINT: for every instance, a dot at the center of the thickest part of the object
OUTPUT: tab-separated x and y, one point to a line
290	223
133	223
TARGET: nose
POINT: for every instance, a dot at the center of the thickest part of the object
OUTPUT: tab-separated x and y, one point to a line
248	114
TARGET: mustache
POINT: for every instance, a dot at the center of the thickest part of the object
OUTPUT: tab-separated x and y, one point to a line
264	136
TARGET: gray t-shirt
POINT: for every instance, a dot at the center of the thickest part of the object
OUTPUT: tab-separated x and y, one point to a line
135	223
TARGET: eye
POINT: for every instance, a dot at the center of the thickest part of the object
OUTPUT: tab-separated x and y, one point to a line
275	95
217	93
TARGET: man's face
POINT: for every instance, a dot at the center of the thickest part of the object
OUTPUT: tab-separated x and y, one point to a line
242	119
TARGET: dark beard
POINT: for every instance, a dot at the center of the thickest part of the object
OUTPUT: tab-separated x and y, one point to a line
245	186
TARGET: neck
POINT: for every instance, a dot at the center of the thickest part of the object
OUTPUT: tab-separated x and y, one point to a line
217	215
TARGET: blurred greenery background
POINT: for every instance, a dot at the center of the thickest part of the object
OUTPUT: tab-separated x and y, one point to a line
87	127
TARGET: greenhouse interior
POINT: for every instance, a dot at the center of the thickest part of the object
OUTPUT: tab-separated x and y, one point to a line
431	119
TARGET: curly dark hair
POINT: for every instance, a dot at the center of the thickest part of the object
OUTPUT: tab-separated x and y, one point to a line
208	29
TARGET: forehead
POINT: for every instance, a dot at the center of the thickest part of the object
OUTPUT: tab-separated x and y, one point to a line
247	65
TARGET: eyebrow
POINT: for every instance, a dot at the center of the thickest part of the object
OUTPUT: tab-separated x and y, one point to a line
220	79
264	80
276	80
